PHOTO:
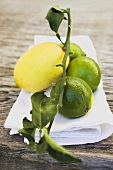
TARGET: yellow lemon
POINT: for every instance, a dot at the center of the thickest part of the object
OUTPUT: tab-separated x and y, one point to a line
36	69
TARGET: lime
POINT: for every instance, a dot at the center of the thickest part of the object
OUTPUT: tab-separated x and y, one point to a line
87	69
77	98
76	51
36	69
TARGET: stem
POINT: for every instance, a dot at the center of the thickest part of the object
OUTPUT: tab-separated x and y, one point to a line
67	45
40	133
63	65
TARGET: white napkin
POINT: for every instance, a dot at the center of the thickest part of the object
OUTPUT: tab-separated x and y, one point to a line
93	127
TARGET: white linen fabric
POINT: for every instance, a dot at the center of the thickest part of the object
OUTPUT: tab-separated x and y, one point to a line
95	126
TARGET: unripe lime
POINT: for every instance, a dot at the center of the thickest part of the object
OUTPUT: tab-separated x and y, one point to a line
87	69
76	51
77	98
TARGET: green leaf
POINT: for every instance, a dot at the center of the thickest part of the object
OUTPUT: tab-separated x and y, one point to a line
41	147
58	152
55	17
28	133
58	36
27	124
32	146
36	99
57	92
57	8
43	109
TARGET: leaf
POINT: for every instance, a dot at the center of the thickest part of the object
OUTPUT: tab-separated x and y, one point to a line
43	109
57	8
27	124
32	146
55	16
41	147
28	133
36	99
57	92
57	151
58	36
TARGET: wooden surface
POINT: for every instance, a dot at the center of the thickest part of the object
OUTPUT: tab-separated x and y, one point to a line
20	20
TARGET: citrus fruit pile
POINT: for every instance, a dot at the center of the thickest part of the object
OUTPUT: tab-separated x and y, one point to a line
73	77
37	69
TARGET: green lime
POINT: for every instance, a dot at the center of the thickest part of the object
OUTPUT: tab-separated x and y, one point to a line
76	51
87	69
77	98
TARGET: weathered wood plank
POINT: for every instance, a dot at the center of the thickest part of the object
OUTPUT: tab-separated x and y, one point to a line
19	22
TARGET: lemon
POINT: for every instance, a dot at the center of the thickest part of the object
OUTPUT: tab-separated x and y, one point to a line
76	51
87	69
36	69
77	98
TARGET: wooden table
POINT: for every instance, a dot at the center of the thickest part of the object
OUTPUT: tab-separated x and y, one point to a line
19	22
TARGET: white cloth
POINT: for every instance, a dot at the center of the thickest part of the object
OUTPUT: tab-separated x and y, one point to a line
95	126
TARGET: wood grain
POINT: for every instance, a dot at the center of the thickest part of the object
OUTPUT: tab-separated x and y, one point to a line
19	22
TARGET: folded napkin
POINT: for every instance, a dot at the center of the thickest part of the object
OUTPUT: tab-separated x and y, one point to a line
95	126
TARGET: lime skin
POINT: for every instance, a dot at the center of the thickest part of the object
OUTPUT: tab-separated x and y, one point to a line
77	98
87	69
